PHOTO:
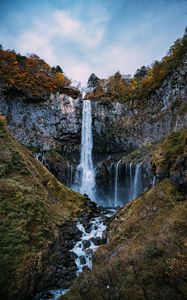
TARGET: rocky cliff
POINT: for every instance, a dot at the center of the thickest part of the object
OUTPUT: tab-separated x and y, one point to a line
51	127
52	124
126	126
117	127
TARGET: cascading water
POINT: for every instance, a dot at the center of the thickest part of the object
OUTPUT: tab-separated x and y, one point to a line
41	157
85	175
131	179
128	182
116	184
137	178
154	180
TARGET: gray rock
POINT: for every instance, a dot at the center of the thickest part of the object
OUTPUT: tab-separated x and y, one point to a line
82	260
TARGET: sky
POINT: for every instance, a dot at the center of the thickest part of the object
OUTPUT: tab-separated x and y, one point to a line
93	36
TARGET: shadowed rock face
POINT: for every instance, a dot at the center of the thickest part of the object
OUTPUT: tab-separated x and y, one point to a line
126	126
117	127
53	124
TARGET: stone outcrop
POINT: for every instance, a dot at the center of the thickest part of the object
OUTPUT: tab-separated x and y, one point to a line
53	124
126	126
51	127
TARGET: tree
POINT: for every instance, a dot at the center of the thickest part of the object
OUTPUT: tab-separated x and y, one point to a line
57	69
140	73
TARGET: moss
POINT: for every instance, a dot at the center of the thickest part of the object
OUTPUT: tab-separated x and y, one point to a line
167	153
32	206
140	154
146	254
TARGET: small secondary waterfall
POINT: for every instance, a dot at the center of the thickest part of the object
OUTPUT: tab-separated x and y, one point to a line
154	180
41	157
136	180
128	182
85	175
131	179
116	184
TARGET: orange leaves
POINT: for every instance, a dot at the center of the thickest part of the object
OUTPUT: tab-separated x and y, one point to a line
60	77
31	75
145	80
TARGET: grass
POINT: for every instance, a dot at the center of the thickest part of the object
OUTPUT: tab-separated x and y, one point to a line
32	205
146	256
173	148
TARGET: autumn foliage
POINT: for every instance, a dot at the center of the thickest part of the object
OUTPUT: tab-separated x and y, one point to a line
29	77
146	79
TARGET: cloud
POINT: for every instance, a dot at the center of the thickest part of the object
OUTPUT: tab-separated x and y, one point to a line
63	39
62	27
99	36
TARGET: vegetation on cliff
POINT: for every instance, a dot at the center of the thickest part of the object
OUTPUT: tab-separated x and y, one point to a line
146	254
29	77
170	152
170	160
33	204
146	79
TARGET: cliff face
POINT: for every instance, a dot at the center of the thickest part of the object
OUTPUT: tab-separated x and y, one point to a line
45	125
124	127
117	127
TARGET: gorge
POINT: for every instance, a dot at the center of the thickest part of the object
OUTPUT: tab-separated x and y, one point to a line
103	171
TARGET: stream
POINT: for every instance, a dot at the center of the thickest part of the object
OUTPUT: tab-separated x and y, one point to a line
92	237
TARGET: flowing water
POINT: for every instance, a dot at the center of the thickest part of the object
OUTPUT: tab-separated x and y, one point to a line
136	179
128	182
85	175
116	184
84	251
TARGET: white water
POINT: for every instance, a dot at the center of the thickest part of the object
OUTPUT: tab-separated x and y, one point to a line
70	174
154	181
136	180
85	175
39	156
56	294
131	180
116	184
130	186
97	229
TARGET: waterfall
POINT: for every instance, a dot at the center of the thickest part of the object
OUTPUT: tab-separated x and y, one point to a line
85	174
39	156
69	174
136	180
154	180
131	179
116	184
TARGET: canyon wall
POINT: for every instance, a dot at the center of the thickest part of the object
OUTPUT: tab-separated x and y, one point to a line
119	128
126	126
